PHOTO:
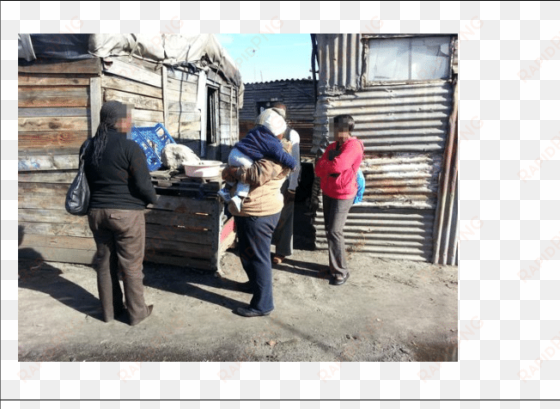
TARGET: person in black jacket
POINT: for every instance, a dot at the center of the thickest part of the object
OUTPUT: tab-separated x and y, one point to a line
120	188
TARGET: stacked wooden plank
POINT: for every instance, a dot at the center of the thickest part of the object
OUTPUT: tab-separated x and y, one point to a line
185	225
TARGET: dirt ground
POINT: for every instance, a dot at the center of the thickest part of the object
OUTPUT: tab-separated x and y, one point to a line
387	311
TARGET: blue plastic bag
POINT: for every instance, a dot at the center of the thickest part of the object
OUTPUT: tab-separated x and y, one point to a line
361	187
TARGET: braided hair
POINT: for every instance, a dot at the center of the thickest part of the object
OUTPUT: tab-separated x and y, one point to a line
110	114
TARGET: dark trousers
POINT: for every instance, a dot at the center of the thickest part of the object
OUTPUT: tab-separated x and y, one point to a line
283	236
255	235
335	212
120	236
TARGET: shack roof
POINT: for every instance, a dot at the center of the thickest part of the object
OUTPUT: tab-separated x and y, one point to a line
201	50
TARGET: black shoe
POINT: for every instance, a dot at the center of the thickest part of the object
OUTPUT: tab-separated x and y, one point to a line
246	312
336	281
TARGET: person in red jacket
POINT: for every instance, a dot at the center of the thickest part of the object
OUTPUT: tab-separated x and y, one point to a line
337	169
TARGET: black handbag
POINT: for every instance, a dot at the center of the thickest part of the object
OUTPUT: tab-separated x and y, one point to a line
77	198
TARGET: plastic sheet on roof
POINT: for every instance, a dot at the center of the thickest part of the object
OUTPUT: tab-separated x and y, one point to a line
170	49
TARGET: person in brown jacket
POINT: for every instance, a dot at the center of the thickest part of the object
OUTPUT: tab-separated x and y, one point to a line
256	223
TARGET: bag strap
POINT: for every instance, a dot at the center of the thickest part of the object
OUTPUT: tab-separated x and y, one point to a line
86	146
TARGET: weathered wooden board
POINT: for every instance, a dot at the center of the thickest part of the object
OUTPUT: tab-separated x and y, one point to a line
155	232
181	123
51	140
41	124
57	229
180	249
121	84
172	233
87	66
139	101
96	100
155	256
182	76
165	95
182	205
187	137
191	222
42	189
51	80
176	96
185	117
225	99
29	97
141	115
130	71
185	86
47	216
79	256
47	177
180	107
47	162
52	112
28	201
65	242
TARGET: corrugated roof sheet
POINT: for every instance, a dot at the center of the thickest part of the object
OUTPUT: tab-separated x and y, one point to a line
284	80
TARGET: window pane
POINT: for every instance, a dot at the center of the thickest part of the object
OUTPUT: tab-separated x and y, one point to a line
416	58
388	59
430	58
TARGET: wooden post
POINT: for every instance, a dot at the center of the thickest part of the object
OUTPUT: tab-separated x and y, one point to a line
165	97
230	116
96	100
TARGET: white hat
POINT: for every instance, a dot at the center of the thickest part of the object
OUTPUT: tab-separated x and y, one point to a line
274	122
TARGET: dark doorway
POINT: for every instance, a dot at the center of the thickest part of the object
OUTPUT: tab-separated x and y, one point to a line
212	110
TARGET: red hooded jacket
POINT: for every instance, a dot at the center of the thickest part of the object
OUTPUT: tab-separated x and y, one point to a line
346	164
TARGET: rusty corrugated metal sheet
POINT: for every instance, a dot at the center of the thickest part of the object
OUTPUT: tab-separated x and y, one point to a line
445	229
340	62
392	233
390	118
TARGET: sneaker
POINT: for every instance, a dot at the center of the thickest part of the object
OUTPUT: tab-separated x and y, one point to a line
224	195
237	203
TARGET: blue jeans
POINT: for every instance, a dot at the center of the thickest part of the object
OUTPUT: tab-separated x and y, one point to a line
255	235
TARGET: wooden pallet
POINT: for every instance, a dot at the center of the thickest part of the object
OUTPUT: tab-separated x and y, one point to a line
175	183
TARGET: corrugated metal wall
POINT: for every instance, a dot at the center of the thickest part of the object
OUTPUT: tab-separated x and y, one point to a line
390	118
405	129
298	95
340	62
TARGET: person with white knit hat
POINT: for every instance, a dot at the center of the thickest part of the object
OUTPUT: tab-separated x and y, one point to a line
257	219
261	142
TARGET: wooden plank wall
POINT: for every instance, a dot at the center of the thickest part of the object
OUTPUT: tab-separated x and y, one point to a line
53	113
179	231
172	100
44	224
55	102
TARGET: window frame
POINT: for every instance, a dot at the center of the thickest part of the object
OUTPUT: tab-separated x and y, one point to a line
366	83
